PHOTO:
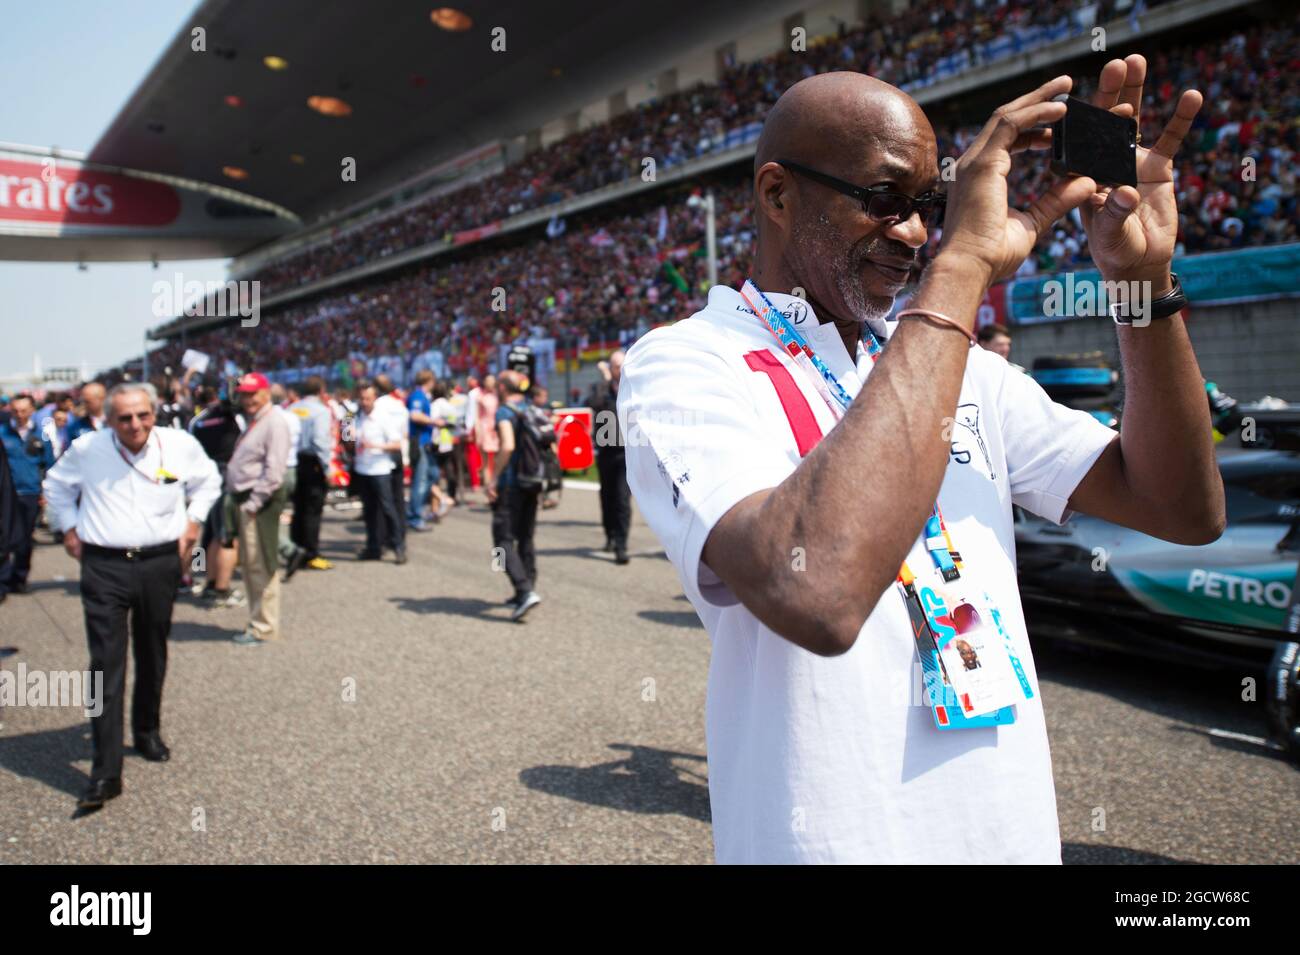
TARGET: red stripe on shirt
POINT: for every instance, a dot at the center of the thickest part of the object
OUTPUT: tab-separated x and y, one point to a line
797	411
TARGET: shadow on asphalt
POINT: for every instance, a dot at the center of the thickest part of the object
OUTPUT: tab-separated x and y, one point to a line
471	607
646	781
673	618
591	552
1204	698
201	631
1076	853
47	757
66	586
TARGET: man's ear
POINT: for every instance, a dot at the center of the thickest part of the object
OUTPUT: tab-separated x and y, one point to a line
771	194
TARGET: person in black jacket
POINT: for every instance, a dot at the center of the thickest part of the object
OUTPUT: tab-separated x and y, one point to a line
611	462
30	455
217	427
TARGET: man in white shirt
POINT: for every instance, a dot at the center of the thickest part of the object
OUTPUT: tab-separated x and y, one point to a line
378	436
392	408
130	500
798	504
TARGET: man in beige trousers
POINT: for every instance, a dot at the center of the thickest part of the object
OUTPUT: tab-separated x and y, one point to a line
255	491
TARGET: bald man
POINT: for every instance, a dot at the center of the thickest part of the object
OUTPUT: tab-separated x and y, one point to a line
839	517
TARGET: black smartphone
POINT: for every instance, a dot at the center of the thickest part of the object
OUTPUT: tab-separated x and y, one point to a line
1094	142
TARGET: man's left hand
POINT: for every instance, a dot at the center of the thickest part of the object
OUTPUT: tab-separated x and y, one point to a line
1132	232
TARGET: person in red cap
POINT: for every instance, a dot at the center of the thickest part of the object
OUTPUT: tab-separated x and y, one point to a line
255	492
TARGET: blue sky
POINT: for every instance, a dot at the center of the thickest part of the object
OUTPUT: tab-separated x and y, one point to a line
66	68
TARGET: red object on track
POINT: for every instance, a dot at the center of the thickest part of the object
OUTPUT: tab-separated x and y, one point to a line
573	438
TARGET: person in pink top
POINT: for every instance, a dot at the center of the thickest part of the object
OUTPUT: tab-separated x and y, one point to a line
485	428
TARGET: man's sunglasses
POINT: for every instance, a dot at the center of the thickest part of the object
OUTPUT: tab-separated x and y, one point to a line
128	418
879	202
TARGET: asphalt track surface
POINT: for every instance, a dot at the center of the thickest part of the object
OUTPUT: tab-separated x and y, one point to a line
575	736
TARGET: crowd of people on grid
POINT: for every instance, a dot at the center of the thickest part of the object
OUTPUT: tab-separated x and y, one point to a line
151	486
403	458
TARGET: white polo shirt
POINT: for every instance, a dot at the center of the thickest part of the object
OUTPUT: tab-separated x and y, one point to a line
837	759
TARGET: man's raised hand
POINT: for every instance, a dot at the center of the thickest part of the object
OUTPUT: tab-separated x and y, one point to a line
979	224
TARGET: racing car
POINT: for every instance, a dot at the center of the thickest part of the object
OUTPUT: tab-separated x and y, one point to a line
1222	603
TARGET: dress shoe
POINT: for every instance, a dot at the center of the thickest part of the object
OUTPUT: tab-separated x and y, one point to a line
620	555
364	554
19	587
99	792
152	748
400	558
297	561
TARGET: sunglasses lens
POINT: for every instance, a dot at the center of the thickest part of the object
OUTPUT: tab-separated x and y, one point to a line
889	205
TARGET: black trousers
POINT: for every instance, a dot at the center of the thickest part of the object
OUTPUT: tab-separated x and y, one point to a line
214	525
308	503
14	569
398	479
111	589
615	496
379	511
514	521
449	467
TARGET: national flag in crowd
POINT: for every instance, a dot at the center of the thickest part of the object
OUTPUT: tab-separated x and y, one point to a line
555	228
663	224
602	239
675	277
343	373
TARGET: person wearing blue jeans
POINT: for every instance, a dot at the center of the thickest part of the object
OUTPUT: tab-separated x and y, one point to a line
424	469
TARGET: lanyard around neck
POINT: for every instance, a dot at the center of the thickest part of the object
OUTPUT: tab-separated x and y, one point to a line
937	539
131	464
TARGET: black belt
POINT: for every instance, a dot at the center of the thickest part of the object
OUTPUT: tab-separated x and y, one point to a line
133	553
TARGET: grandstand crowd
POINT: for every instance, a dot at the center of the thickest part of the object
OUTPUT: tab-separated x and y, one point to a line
611	274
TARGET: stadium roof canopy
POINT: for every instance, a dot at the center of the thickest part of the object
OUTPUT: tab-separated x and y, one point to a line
417	93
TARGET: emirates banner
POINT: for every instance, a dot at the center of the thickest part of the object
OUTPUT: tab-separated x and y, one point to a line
53	196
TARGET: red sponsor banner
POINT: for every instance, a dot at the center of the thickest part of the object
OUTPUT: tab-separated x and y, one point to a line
473	235
57	192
